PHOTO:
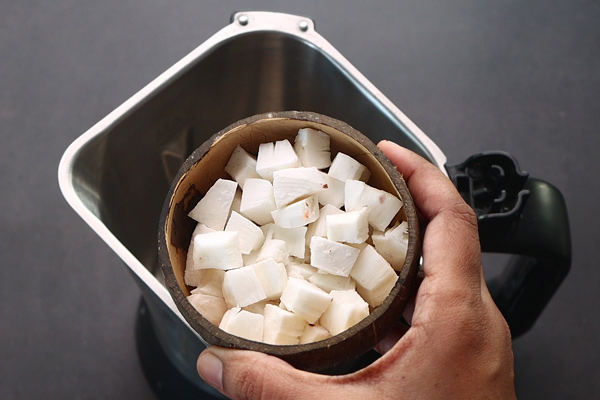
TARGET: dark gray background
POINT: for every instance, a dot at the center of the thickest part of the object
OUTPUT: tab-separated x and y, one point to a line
518	76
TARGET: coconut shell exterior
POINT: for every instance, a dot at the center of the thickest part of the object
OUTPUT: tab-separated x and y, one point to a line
206	164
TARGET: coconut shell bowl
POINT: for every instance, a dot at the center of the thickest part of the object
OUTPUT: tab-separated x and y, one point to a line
207	164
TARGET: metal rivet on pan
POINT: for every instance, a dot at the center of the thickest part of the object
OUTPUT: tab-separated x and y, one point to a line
243	19
303	25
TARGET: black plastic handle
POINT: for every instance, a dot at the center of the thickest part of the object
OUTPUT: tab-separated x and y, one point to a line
522	216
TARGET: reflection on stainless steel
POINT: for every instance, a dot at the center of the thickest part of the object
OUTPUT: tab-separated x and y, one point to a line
117	174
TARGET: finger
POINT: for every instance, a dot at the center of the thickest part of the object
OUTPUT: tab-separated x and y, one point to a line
429	187
451	242
241	374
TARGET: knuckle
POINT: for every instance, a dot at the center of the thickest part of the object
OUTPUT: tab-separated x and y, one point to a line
462	212
462	227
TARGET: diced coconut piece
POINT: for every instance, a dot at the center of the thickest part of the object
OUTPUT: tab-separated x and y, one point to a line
207	281
257	201
382	205
297	214
282	327
346	310
319	227
244	324
219	250
213	209
294	239
272	276
198	230
359	246
349	227
241	166
305	299
251	236
300	270
393	244
241	287
268	230
274	156
314	333
237	201
344	167
374	276
332	257
211	307
312	147
193	277
275	249
329	282
334	193
293	184
257	308
251	258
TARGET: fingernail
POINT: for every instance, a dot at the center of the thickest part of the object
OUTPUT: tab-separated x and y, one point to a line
210	368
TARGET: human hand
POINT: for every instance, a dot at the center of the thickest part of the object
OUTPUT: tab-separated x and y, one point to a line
458	345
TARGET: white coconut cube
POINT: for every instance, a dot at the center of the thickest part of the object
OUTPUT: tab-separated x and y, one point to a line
305	299
292	184
297	214
319	227
257	308
332	257
206	281
241	166
244	324
257	201
193	277
250	235
274	156
219	250
374	276
329	282
344	167
349	227
251	258
272	276
213	209
211	307
314	333
313	148
268	230
282	306
300	270
275	249
334	193
237	201
347	309
198	230
382	205
359	246
282	327
241	287
294	239
392	244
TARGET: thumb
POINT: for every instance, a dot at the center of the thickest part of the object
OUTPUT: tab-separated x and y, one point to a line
242	374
